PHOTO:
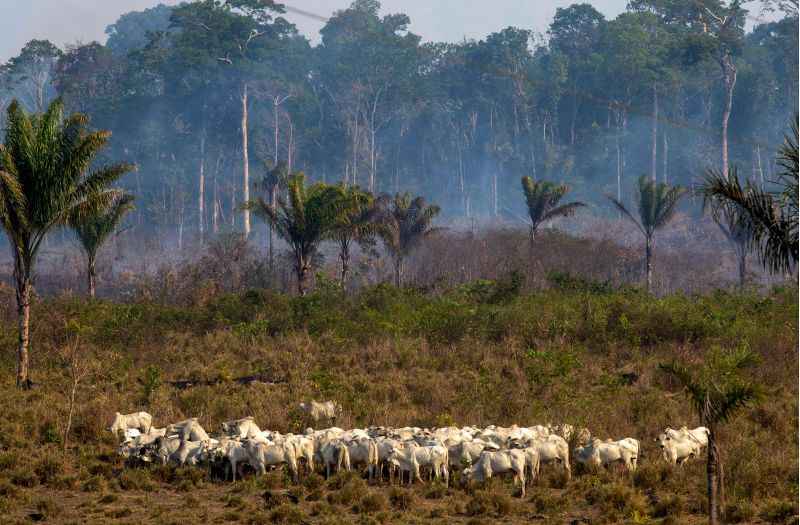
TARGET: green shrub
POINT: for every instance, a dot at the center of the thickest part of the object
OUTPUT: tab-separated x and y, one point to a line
287	514
372	502
778	511
483	503
24	478
436	490
48	469
136	479
401	499
739	511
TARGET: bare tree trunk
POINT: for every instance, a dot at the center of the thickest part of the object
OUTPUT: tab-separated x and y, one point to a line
398	270
344	255
245	163
201	183
91	276
273	203
648	256
654	152
71	411
665	155
742	265
729	78
760	170
302	270
712	470
24	315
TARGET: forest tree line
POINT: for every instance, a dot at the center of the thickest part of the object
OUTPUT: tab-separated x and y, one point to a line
208	97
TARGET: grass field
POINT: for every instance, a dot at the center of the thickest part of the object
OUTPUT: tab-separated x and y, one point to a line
576	351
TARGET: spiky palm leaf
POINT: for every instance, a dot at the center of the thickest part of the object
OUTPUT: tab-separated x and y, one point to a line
406	222
772	217
542	198
657	204
45	159
44	162
303	221
93	230
717	389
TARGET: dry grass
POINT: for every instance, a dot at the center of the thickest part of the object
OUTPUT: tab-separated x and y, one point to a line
577	351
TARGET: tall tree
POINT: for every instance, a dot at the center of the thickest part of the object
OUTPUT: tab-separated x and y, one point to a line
32	72
303	221
772	219
45	178
717	390
656	204
406	222
94	229
356	221
542	199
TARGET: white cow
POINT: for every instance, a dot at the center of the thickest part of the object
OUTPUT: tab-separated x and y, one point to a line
180	451
405	460
334	455
189	430
605	453
553	449
364	452
261	455
241	428
434	457
492	463
139	420
321	411
677	446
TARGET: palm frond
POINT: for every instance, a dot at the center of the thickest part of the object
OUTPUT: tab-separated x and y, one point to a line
622	209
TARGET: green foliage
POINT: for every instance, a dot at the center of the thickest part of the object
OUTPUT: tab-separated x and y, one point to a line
151	380
542	199
769	222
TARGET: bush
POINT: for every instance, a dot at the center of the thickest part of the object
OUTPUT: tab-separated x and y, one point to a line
136	479
372	502
48	469
671	505
485	503
436	490
615	498
349	492
287	514
778	511
739	511
24	478
401	499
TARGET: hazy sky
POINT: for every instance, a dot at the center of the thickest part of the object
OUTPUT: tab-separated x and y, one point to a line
71	21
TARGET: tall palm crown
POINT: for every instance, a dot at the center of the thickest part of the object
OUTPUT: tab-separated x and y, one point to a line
542	199
43	182
356	220
657	204
405	223
303	221
717	390
772	216
93	230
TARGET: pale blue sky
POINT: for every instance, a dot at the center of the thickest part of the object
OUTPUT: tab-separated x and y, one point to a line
71	21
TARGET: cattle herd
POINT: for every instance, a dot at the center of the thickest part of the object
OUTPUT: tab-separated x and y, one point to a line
394	453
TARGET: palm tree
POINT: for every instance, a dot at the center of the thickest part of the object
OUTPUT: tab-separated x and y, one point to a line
657	204
43	182
772	216
303	221
405	223
356	221
734	224
93	231
542	198
717	392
